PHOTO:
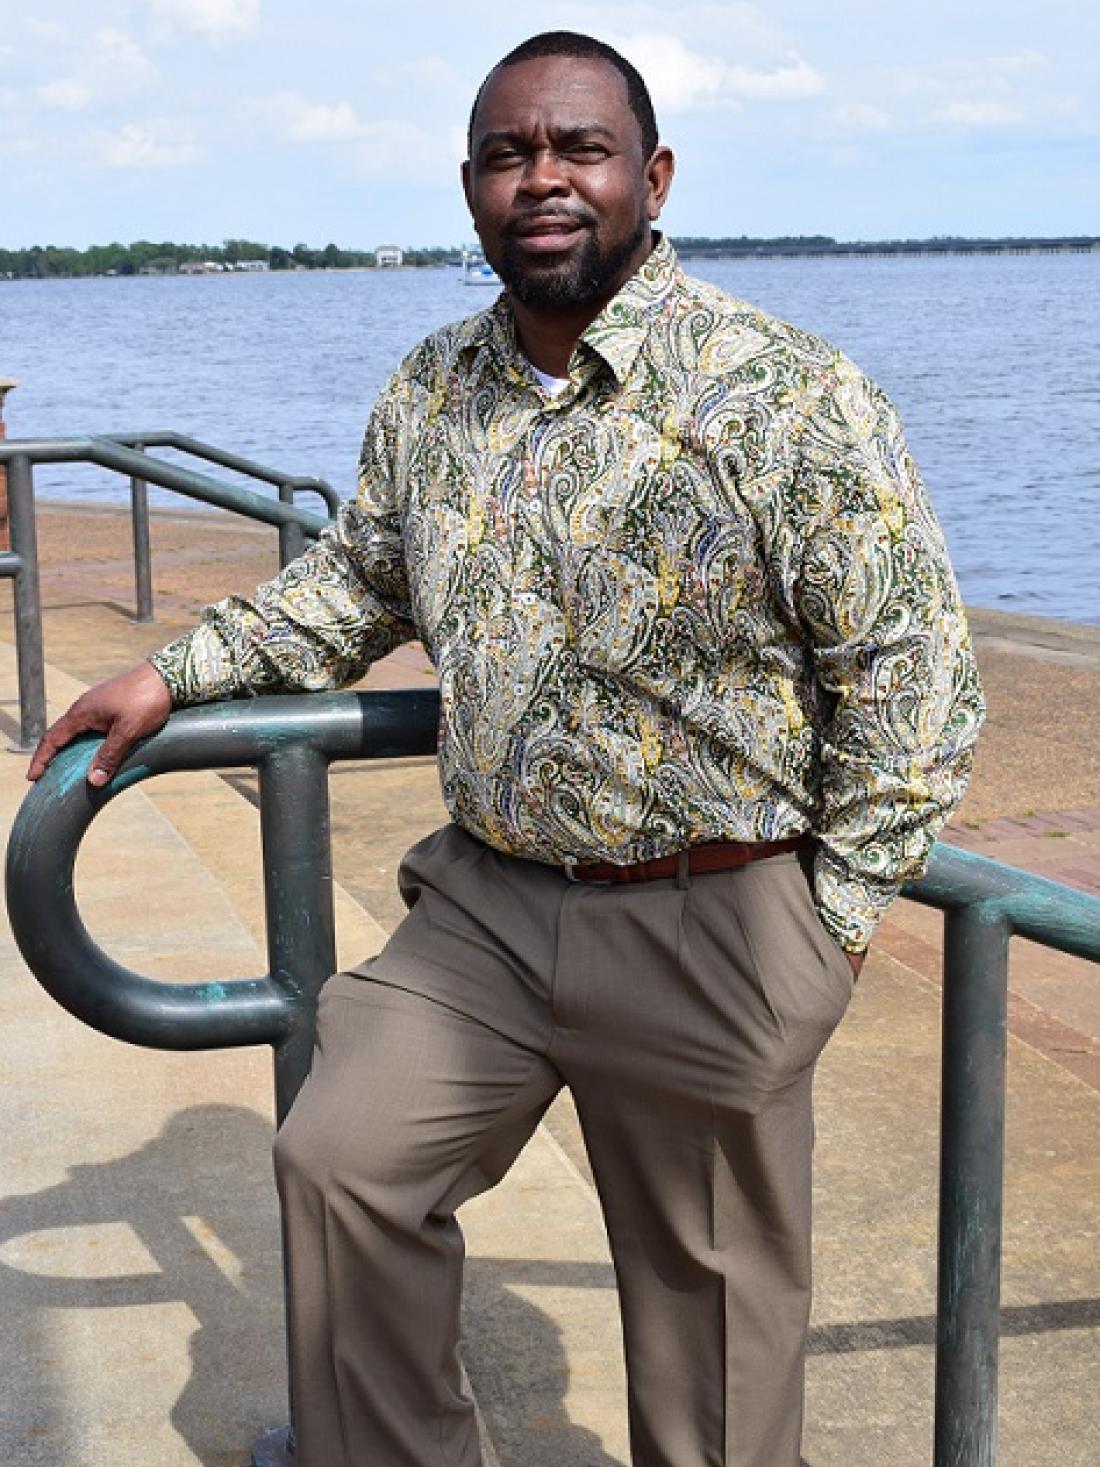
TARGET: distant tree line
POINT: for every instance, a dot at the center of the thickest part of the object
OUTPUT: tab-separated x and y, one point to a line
824	244
165	257
149	256
743	244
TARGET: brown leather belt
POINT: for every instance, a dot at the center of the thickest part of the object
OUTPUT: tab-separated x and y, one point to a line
716	855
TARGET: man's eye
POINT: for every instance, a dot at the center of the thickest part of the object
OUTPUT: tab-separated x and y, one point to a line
587	151
502	158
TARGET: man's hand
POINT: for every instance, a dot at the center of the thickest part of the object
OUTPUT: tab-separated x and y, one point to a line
125	708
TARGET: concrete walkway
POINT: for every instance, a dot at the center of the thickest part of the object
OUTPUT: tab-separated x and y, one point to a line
139	1261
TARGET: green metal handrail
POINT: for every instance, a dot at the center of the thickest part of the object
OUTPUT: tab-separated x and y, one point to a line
292	537
292	741
984	904
122	454
197	448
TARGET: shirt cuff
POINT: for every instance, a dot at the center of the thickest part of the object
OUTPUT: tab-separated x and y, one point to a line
850	905
196	668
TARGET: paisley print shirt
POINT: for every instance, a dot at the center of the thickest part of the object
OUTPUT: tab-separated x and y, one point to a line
698	595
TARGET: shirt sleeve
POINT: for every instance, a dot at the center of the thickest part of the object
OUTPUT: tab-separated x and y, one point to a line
327	616
891	652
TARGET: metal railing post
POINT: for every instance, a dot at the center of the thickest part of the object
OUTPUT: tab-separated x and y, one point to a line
301	934
130	459
143	573
28	604
975	1029
301	931
292	540
6	385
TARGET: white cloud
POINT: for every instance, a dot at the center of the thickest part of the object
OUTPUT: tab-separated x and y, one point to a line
984	91
862	117
112	65
121	60
683	80
753	32
390	146
317	122
217	20
148	145
792	82
66	95
978	114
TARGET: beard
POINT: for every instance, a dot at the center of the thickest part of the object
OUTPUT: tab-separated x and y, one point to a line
590	275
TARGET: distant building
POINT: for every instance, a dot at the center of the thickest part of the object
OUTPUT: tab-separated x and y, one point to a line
252	265
389	257
201	267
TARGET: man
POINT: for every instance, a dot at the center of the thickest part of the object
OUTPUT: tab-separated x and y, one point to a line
706	698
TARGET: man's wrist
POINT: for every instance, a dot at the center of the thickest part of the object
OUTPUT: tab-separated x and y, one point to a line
162	663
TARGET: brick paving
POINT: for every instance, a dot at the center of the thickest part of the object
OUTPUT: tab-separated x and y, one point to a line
1063	846
1073	862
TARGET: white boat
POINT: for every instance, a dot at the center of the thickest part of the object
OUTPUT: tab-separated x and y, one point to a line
477	271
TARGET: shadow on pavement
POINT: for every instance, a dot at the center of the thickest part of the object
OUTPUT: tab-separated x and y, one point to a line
184	1198
199	1200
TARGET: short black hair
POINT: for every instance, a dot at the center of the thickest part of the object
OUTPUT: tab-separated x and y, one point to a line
572	43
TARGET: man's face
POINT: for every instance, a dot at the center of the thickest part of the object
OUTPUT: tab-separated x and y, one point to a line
560	192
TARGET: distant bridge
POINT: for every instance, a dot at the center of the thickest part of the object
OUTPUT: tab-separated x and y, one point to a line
871	249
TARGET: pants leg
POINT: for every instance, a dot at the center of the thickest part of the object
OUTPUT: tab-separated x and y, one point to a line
709	1221
699	1016
411	1108
686	1019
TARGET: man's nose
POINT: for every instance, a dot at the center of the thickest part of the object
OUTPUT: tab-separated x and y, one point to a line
544	176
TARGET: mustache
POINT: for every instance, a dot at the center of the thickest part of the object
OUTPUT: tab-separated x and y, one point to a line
580	217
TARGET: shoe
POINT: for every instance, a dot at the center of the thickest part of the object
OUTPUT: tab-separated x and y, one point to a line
275	1448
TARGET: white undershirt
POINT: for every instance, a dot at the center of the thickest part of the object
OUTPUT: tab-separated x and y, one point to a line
553	385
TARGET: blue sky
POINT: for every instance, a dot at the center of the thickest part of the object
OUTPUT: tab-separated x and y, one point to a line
319	120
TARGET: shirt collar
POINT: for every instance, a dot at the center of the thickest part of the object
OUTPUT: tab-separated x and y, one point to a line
617	333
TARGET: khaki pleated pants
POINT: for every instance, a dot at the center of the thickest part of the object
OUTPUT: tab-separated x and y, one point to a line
685	1016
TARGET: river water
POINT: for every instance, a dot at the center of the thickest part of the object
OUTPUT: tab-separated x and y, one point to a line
994	362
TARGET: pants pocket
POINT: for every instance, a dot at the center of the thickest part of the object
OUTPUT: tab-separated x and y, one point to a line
802	974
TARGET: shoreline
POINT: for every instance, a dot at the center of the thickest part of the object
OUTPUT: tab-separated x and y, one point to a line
211	516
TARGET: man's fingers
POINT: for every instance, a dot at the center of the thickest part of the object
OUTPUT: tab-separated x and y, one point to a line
54	740
111	753
125	708
42	755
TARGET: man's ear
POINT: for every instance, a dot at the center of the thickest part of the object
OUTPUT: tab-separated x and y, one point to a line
466	186
658	173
